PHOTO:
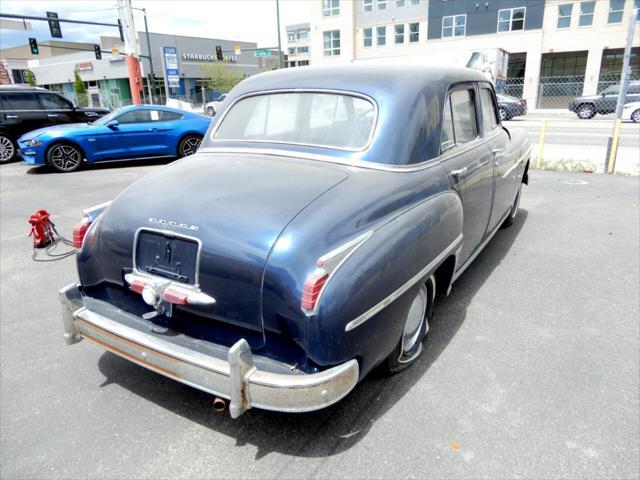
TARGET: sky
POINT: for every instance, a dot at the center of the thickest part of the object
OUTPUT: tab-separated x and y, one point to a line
242	20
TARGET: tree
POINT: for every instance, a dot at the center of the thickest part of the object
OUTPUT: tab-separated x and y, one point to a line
220	76
30	77
82	99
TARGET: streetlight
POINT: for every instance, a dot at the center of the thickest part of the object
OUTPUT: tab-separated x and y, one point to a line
152	78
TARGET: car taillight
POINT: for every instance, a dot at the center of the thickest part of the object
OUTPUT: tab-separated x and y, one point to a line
326	267
312	288
89	216
79	231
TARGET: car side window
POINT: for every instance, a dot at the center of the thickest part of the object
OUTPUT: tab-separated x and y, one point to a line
20	101
51	101
448	139
135	116
489	117
166	116
464	115
633	89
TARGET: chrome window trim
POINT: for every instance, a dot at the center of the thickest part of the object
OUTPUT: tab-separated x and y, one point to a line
169	233
300	90
406	286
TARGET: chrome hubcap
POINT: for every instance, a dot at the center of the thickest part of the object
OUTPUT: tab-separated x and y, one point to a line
585	112
65	157
6	149
417	315
636	116
191	146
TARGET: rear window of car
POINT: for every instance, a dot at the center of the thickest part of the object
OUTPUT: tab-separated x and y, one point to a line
330	120
19	101
166	116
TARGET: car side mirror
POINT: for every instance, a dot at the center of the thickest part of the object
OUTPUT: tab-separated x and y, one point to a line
113	124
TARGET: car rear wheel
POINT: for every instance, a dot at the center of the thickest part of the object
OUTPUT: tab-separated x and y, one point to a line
514	209
503	114
416	327
7	148
586	111
189	145
210	111
64	157
635	116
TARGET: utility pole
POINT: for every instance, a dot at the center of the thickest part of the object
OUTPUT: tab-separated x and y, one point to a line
131	49
152	78
612	142
279	45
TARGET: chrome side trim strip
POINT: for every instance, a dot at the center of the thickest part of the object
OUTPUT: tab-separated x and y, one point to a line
515	165
412	281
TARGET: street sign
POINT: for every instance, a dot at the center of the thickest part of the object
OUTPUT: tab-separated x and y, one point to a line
262	53
237	50
54	25
172	74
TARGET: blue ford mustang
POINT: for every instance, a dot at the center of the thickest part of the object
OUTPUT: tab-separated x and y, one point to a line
132	132
307	240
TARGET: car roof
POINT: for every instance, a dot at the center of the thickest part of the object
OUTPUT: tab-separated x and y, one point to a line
411	96
153	107
21	87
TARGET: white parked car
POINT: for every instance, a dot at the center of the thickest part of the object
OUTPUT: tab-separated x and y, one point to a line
631	111
212	108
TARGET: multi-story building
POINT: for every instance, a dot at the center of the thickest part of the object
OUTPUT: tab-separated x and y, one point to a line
298	45
557	48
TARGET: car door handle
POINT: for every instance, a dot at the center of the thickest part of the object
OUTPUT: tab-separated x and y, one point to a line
459	173
52	115
12	116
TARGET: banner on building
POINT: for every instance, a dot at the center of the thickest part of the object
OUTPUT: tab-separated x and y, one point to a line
171	72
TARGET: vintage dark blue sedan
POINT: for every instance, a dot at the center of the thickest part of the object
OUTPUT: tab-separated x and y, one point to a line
306	241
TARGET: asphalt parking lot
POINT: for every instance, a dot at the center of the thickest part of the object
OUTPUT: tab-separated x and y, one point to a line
531	368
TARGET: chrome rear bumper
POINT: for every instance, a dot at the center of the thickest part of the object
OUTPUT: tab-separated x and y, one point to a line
236	378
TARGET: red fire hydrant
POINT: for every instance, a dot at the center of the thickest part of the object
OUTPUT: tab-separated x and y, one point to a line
41	229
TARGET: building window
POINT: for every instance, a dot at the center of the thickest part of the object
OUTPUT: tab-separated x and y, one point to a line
382	4
511	19
303	35
292	64
303	50
615	11
303	63
399	3
399	29
415	2
367	37
586	13
564	15
381	36
292	51
367	5
414	32
331	43
291	37
454	25
330	8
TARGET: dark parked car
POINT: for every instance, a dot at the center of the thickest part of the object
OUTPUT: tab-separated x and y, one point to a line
587	107
25	108
509	107
307	240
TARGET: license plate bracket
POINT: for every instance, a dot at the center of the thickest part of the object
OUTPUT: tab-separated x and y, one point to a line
167	255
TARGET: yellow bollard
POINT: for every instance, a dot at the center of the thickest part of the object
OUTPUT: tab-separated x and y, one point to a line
614	147
543	131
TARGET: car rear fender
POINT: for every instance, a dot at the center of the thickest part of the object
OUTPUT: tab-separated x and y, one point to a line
362	307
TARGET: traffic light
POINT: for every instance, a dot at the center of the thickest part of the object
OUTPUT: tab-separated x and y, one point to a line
54	25
96	49
219	53
33	43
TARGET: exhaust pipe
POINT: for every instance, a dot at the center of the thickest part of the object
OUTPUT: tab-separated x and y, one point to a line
219	405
